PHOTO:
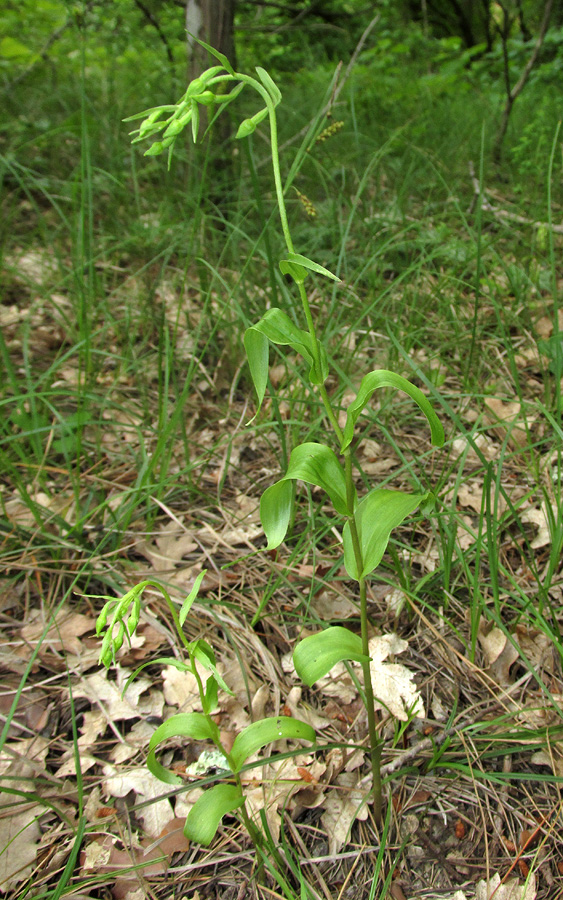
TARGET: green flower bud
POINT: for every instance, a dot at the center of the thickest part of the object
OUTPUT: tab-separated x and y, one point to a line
133	619
148	123
118	641
178	125
197	86
210	73
248	126
155	149
206	99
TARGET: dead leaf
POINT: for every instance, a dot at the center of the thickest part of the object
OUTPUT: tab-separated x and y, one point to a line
342	807
180	689
470	495
393	684
19	825
102	856
511	889
499	652
277	785
538	516
107	695
502	414
62	636
482	442
155	815
331	606
168	549
536	646
553	759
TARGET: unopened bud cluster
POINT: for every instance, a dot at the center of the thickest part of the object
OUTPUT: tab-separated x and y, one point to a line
172	119
125	614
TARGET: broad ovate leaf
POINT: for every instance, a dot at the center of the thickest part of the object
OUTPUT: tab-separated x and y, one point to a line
314	656
191	725
317	464
314	464
277	327
377	515
306	263
266	731
383	378
275	512
205	815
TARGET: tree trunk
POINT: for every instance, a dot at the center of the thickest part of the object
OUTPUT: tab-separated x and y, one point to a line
513	93
211	21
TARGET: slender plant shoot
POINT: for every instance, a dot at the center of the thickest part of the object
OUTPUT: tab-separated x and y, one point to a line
367	521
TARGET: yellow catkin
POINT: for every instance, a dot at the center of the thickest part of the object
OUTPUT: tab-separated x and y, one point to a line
307	204
334	128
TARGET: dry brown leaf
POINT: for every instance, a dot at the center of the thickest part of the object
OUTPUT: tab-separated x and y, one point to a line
470	495
338	684
538	516
482	442
305	713
245	525
373	460
331	606
501	415
59	504
273	786
259	702
553	759
169	548
155	815
63	635
499	652
506	890
393	684
180	689
137	739
102	856
19	826
342	807
97	688
536	646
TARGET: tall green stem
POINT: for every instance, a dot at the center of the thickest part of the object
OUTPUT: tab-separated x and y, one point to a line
375	742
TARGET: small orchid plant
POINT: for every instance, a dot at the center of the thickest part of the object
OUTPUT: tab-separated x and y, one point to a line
367	521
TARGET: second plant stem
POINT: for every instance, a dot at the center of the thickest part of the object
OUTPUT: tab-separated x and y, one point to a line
374	740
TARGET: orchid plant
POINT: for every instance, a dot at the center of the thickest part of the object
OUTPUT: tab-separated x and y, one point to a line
367	521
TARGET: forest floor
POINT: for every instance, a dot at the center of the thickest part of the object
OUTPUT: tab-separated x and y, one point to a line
106	483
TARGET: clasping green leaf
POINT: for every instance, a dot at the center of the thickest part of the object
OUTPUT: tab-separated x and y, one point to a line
269	84
316	655
314	464
277	327
383	378
295	259
259	734
191	725
205	815
377	515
